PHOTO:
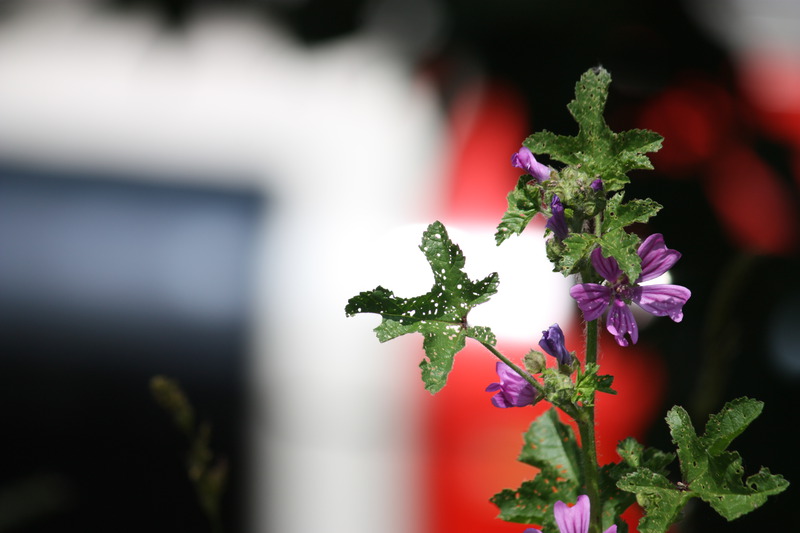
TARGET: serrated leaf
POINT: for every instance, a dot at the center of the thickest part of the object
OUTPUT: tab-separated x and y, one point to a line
551	447
729	423
621	215
715	475
709	472
660	498
440	315
524	203
532	502
589	382
599	151
622	246
634	456
578	246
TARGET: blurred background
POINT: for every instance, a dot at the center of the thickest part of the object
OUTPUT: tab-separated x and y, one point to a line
195	188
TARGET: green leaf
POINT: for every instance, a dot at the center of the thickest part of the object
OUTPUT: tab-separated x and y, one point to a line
599	151
620	215
440	315
524	202
622	246
661	499
709	472
634	456
729	423
551	447
715	475
589	382
575	255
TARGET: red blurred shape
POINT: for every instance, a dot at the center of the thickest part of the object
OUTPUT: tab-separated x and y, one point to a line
488	125
694	117
472	446
755	206
771	81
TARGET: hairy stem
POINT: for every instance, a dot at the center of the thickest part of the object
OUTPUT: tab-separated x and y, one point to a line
585	422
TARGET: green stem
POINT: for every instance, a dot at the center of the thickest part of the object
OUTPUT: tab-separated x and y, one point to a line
585	422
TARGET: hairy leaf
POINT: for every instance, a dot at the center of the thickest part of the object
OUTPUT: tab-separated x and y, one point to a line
709	471
524	202
551	447
600	152
440	315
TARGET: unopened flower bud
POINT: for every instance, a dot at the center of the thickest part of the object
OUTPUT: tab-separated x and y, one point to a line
534	362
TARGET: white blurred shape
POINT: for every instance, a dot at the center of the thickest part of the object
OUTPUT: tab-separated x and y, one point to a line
526	275
347	145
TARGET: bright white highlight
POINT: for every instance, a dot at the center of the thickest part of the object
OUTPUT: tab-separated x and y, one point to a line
530	296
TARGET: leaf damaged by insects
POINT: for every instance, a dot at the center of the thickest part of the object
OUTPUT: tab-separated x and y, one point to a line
440	315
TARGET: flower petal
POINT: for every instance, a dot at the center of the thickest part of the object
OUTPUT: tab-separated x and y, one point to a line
605	266
558	222
573	519
513	389
552	343
656	257
620	322
662	300
612	529
592	298
525	160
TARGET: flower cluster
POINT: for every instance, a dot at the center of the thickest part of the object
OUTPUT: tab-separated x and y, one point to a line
618	293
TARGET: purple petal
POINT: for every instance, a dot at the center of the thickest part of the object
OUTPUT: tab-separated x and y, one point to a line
553	344
514	390
612	529
597	185
558	222
525	160
620	322
656	257
662	300
605	266
592	298
573	519
534	530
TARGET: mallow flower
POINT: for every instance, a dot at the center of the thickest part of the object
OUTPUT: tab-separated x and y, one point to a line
525	160
553	344
513	389
573	519
617	295
558	222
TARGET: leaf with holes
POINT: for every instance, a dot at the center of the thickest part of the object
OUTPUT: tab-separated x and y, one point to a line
439	315
550	446
598	151
709	471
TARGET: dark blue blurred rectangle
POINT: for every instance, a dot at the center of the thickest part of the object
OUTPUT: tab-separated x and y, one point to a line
106	281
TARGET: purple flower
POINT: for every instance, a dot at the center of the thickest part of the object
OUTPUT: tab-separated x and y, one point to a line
524	159
513	389
558	222
659	300
553	344
597	185
573	519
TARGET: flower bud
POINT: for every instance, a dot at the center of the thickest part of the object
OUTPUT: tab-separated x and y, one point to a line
534	362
